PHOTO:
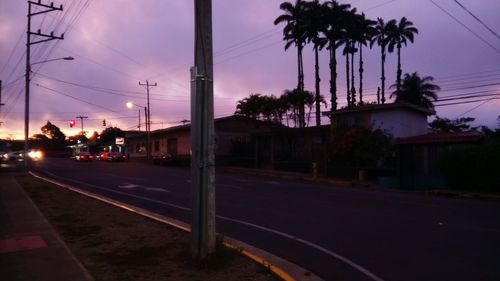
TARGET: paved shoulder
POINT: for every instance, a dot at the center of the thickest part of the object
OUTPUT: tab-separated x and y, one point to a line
29	247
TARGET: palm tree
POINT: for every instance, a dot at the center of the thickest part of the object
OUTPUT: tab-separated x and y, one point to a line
416	90
366	30
381	33
334	14
293	32
398	35
315	24
251	106
347	40
297	100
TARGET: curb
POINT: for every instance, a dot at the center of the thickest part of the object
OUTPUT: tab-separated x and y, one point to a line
274	263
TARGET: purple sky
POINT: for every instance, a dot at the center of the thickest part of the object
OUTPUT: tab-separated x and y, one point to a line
118	43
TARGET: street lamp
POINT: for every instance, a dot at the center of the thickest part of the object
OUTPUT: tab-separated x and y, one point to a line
27	103
65	58
131	105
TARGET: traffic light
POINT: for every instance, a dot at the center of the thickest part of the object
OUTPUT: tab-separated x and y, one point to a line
72	123
104	122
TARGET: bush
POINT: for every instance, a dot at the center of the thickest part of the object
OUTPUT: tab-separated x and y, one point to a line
473	168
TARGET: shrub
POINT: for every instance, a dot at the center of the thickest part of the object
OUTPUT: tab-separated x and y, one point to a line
473	167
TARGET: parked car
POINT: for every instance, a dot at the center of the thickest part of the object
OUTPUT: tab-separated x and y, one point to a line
116	156
163	159
84	156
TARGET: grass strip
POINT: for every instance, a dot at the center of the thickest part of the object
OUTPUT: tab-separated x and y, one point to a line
114	244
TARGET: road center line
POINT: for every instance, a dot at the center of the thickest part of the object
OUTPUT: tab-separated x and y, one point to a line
277	232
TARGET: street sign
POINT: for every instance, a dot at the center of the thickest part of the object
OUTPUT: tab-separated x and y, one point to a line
120	141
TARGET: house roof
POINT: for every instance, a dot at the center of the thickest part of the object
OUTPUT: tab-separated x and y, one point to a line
136	134
380	107
441	137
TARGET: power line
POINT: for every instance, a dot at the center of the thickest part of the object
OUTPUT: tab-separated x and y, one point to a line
78	99
465	26
479	20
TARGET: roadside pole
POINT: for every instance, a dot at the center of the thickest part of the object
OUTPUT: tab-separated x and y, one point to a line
202	136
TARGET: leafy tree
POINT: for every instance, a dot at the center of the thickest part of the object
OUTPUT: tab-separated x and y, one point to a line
455	125
110	134
361	147
55	138
53	132
293	32
382	30
298	99
40	141
416	90
400	34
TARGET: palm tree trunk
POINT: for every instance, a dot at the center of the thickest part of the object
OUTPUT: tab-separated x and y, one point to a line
333	76
316	67
353	89
361	73
383	76
399	69
347	72
300	81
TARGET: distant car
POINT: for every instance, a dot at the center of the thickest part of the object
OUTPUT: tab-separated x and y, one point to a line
163	159
104	155
84	156
117	156
19	155
13	156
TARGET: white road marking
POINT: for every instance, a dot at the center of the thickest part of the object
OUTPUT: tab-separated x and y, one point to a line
132	186
128	186
310	244
277	232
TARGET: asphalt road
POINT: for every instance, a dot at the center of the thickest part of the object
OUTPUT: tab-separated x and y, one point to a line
337	233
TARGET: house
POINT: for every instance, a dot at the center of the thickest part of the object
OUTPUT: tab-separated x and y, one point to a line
291	149
419	157
399	119
230	132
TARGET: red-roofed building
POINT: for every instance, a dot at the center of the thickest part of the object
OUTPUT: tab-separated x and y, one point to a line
419	157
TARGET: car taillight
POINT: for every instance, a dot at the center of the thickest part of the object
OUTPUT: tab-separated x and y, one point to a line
91	156
124	156
83	156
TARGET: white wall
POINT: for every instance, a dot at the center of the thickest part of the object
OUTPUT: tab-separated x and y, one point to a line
399	122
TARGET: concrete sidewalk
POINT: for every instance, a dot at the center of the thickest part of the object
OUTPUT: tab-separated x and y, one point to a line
29	248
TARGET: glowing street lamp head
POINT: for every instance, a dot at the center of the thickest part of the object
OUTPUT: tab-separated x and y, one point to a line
130	104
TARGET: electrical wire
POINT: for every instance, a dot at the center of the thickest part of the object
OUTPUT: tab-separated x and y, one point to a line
465	26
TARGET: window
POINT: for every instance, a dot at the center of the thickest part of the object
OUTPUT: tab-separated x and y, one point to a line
137	148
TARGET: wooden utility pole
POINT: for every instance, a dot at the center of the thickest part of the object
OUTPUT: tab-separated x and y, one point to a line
40	37
148	119
1	93
202	136
81	120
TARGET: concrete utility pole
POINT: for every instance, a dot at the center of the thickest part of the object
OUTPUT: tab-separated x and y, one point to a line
148	119
202	136
81	120
48	37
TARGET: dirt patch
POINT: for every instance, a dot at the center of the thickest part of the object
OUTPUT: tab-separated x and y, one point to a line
114	244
